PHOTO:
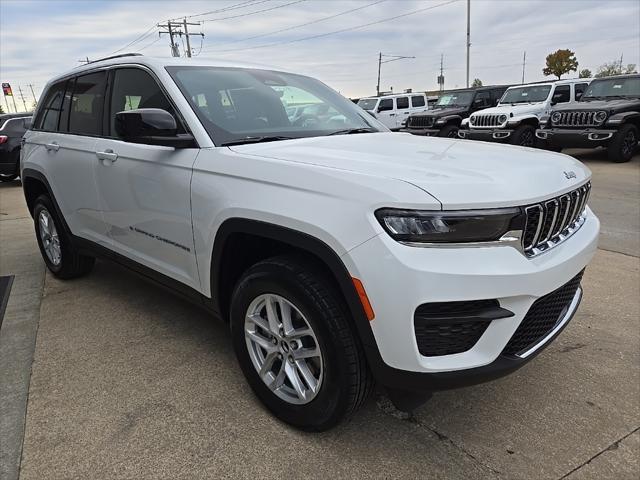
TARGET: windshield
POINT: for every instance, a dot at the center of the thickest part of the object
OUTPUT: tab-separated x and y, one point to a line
535	93
368	103
613	87
458	99
237	103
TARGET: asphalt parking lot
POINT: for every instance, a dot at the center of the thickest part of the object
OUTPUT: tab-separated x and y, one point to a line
125	381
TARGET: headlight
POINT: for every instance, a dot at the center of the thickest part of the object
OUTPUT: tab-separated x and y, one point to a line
502	118
472	120
555	117
600	116
460	226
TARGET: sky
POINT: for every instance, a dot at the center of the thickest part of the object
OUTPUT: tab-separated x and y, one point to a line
41	38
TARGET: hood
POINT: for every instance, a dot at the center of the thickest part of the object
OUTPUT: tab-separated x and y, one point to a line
617	105
442	112
518	109
459	173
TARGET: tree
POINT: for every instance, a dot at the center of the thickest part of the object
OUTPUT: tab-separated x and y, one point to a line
614	68
585	73
560	62
476	82
1	109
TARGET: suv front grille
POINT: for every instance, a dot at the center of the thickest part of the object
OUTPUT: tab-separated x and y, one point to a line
485	120
420	121
445	328
543	316
577	119
550	222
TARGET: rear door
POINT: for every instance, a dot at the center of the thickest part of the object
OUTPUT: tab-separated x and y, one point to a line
65	132
145	190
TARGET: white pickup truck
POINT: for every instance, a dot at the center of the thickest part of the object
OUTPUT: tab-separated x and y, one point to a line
515	119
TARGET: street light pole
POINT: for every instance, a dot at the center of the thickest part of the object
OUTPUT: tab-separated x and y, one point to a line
468	36
392	58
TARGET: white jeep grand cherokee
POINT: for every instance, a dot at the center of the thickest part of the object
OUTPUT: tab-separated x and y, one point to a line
340	253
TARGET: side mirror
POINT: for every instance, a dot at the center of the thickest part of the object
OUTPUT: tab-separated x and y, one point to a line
151	126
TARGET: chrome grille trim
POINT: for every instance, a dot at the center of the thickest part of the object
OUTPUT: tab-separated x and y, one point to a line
486	120
420	121
555	220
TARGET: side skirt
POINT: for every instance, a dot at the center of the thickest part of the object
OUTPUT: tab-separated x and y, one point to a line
87	247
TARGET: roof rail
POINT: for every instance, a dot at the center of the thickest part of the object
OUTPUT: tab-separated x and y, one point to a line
132	54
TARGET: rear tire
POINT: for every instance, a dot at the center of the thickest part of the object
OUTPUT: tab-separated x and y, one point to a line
342	380
59	254
624	144
524	136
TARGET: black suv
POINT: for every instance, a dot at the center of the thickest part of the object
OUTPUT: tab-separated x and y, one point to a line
444	119
12	128
608	115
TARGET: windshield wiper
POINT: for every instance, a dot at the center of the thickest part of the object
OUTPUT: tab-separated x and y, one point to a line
350	131
242	141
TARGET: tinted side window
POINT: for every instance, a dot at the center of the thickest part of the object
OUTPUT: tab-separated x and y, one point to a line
483	99
50	112
87	101
134	88
402	103
497	95
580	89
562	94
417	101
385	104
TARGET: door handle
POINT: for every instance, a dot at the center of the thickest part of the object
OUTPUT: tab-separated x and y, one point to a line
392	114
53	146
108	155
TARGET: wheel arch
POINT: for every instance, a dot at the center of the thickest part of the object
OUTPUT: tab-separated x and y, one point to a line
231	257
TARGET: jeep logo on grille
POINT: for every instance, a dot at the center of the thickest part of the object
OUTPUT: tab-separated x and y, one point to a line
570	174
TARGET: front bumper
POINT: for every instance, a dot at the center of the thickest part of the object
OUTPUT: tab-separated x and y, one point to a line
414	276
488	135
569	138
429	132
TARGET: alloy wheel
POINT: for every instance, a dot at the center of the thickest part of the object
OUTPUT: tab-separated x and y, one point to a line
629	143
283	348
49	236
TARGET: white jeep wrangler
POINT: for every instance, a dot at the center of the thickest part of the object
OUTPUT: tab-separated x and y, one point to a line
515	119
339	253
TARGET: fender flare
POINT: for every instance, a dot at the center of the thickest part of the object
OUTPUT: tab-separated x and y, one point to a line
301	241
623	117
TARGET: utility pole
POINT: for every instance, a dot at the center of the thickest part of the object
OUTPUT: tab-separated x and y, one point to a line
22	97
392	58
524	62
35	100
175	29
621	55
441	77
468	37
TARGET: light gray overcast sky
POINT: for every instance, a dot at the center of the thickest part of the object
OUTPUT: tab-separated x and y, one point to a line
41	38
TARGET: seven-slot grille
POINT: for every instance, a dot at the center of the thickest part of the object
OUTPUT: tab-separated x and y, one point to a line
486	120
421	121
550	222
577	119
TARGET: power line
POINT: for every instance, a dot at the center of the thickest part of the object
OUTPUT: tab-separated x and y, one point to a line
138	39
343	30
304	24
248	3
254	12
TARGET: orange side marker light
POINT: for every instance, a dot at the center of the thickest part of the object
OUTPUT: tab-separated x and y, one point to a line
363	299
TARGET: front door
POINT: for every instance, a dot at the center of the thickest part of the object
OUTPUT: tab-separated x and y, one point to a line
145	190
386	112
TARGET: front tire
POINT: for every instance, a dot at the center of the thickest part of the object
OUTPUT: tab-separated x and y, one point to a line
624	144
449	131
295	344
58	252
524	136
